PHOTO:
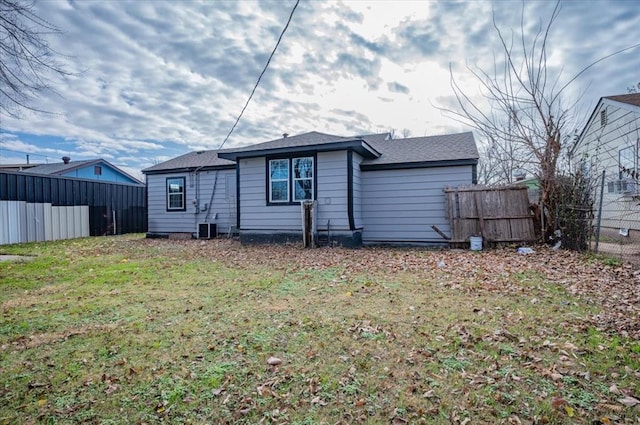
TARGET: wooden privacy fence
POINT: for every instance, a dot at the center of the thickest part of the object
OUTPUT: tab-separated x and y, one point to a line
498	214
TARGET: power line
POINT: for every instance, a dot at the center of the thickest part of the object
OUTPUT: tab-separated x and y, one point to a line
261	74
27	153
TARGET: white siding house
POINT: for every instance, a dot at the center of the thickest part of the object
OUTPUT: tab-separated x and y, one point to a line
366	189
610	143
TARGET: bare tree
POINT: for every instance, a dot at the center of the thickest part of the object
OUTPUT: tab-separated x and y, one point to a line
527	114
499	161
393	133
28	63
526	120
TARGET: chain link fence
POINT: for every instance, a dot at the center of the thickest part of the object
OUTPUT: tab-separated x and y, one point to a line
616	223
593	214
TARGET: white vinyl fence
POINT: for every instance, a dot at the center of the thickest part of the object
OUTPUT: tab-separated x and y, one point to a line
30	222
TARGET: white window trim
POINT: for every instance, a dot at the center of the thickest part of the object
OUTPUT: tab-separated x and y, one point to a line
174	194
634	165
294	179
287	180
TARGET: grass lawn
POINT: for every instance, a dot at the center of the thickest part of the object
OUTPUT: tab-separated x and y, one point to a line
130	330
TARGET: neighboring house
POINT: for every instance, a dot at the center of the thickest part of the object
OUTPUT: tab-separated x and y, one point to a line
533	188
38	207
94	169
367	189
610	142
16	167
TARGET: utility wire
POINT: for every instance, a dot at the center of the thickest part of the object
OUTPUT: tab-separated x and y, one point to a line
261	74
28	153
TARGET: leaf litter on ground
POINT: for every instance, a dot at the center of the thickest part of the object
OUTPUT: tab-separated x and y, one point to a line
404	334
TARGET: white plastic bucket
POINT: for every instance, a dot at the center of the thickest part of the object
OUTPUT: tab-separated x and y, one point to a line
476	243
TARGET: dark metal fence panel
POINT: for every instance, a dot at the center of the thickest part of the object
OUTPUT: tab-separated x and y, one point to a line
21	187
68	192
127	201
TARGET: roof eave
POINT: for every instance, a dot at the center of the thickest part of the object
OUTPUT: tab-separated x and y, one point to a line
622	104
189	169
357	145
419	164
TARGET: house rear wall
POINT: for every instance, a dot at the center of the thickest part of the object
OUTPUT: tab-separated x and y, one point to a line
402	205
256	215
163	222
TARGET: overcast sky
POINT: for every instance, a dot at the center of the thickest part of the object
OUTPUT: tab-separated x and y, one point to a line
156	79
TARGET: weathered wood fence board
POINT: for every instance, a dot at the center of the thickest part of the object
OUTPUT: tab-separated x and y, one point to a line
498	214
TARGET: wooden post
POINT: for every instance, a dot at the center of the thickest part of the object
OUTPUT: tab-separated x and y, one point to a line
480	215
600	212
308	224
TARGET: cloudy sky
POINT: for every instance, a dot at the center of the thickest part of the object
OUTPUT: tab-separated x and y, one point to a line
154	79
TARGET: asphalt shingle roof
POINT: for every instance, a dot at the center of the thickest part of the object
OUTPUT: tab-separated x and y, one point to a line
60	167
191	160
393	151
306	139
448	147
211	159
631	99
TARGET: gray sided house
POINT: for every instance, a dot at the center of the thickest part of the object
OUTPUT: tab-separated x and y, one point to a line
192	192
367	189
610	142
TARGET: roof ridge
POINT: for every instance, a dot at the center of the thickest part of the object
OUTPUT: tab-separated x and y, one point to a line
436	135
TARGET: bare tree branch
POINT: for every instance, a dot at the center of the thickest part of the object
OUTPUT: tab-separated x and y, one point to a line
525	122
27	62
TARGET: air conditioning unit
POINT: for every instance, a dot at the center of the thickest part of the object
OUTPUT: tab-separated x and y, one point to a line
207	230
627	187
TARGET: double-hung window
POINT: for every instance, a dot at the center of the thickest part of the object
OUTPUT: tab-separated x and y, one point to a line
279	180
175	194
291	180
627	162
302	179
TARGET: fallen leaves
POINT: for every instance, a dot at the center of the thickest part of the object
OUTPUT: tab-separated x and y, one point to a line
629	401
570	412
274	361
379	335
36	340
616	288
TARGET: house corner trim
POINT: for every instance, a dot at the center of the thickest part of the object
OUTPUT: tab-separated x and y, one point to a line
352	225
238	195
